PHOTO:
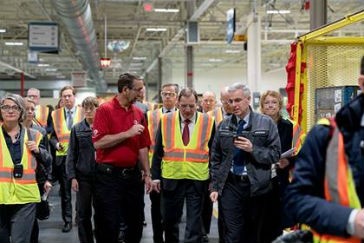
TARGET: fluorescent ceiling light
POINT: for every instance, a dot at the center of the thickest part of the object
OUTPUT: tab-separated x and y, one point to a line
232	51
43	65
14	43
51	70
2	30
139	58
278	11
215	60
166	10
136	64
156	29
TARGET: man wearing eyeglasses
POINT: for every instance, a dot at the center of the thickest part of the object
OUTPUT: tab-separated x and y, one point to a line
42	113
180	165
244	149
121	142
169	99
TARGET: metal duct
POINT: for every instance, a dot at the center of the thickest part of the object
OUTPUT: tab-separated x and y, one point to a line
77	17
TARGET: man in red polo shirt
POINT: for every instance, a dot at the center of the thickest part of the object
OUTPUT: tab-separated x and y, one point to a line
121	141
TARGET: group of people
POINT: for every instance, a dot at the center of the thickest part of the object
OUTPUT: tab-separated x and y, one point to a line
112	153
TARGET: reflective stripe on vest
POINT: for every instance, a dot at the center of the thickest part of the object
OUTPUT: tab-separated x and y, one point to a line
153	121
186	162
41	115
339	185
61	129
22	190
217	115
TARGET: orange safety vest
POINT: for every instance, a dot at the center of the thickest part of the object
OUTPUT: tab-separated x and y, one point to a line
190	161
339	185
61	129
18	190
41	115
217	114
153	122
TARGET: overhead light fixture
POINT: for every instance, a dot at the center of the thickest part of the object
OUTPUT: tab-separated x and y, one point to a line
14	43
215	60
43	65
51	70
166	10
134	64
156	29
232	51
278	11
105	62
139	58
2	30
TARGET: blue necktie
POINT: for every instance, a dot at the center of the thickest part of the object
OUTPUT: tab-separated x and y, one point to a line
239	155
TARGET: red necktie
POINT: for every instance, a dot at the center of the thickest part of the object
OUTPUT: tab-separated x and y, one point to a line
186	132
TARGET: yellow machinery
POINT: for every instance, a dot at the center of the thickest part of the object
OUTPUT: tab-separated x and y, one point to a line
326	57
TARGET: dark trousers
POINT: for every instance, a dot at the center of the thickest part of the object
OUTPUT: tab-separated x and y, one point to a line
16	221
220	223
173	200
118	196
206	211
156	215
244	216
84	208
59	171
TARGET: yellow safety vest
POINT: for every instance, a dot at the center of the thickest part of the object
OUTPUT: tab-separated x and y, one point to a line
41	115
153	121
186	162
339	185
18	190
61	129
217	114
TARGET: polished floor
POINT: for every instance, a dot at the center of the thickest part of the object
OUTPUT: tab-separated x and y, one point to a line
50	229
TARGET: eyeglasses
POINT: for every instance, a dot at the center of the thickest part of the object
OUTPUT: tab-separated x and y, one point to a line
184	106
7	108
170	94
237	100
89	109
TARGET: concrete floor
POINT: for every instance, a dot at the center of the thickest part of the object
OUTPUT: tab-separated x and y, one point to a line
50	229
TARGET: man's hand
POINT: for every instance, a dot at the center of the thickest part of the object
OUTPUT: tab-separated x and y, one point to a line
283	163
157	186
136	129
243	144
74	185
148	184
47	186
359	224
214	196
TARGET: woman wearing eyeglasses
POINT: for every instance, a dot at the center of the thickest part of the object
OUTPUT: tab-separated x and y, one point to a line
20	150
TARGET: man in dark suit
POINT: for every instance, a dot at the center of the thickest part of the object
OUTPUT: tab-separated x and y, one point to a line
245	147
180	165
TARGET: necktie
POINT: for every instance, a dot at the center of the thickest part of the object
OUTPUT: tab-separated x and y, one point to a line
238	162
69	120
186	132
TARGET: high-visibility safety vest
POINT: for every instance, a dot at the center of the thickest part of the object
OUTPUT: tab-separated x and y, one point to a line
41	115
298	137
61	129
217	114
186	162
339	185
18	190
153	122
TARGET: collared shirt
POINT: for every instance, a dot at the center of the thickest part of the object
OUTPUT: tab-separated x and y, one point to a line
164	110
112	118
246	119
14	148
191	125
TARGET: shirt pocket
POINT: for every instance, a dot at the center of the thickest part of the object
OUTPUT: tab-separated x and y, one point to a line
85	140
259	137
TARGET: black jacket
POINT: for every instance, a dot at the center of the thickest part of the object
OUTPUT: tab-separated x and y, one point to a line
263	133
81	152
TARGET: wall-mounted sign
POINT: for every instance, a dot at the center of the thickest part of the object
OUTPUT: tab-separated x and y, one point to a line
43	37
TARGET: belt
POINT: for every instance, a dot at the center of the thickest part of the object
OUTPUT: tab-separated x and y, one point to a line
112	169
237	178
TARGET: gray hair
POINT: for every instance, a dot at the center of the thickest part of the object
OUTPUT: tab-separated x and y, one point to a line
19	101
237	86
